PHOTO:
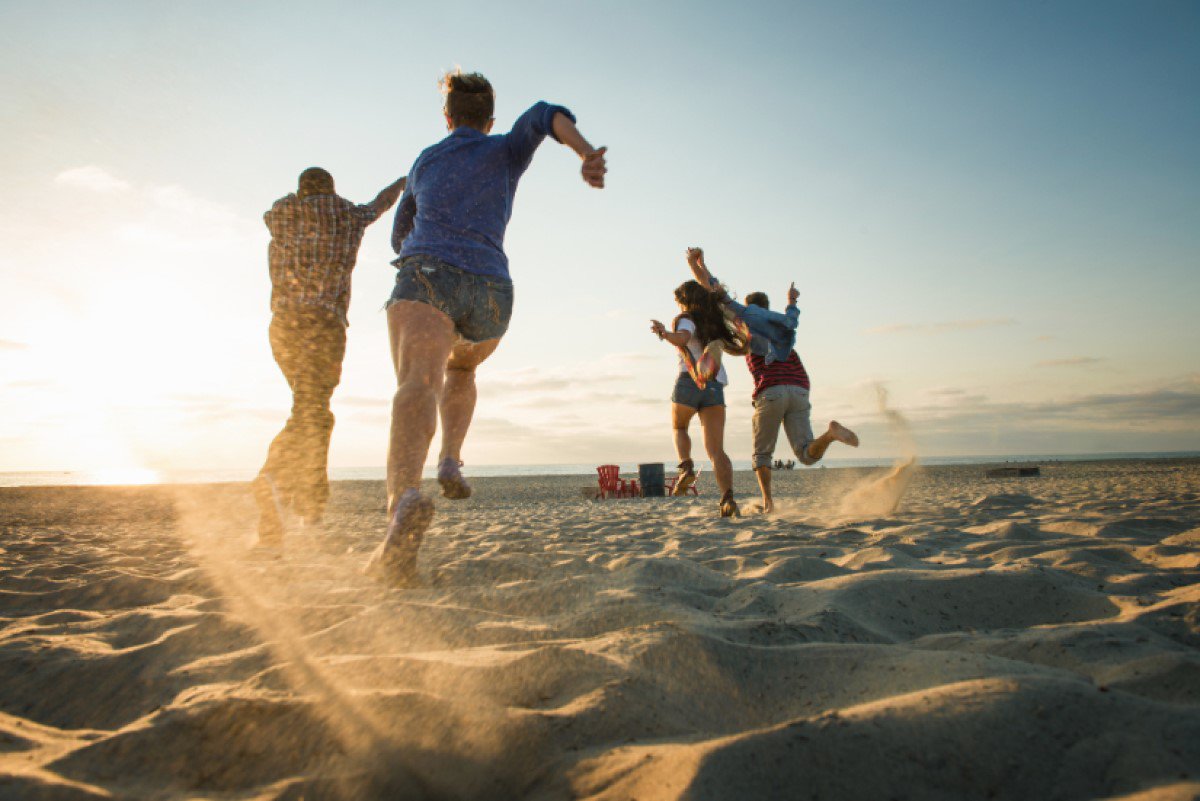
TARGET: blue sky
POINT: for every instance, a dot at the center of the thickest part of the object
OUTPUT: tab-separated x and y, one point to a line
991	209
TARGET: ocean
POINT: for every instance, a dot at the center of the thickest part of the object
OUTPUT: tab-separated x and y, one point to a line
223	475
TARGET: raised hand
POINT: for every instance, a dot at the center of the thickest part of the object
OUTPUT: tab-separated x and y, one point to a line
695	260
793	294
658	329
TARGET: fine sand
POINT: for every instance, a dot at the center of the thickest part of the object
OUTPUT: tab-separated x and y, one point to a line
932	634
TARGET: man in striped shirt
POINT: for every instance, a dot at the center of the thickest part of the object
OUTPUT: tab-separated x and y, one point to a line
781	398
315	235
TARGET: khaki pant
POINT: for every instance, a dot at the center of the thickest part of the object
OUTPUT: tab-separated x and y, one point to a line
308	346
787	405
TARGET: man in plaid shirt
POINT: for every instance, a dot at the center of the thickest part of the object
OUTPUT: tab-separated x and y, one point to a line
315	236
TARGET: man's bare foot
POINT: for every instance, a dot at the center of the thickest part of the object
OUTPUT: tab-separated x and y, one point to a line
757	508
843	434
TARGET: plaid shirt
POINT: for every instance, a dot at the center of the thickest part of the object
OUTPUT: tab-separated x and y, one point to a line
314	244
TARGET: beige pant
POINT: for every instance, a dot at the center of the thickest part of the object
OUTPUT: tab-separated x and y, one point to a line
308	346
787	405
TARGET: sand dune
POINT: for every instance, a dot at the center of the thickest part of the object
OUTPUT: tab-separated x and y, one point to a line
925	633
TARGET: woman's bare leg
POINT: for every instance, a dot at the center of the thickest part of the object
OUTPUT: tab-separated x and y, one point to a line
681	417
712	420
457	405
421	339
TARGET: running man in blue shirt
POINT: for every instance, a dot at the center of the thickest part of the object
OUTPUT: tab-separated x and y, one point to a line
453	295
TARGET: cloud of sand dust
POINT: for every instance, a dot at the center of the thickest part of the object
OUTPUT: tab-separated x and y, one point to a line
374	760
880	495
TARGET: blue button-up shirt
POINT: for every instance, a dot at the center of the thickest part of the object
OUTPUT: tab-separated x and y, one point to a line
459	197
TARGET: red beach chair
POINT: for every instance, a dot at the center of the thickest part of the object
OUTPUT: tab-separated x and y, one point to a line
610	480
613	486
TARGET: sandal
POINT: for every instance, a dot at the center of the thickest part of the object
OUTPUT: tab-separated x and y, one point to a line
686	478
729	507
454	486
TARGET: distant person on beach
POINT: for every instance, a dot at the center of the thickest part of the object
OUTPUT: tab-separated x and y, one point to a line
453	295
315	236
700	331
781	384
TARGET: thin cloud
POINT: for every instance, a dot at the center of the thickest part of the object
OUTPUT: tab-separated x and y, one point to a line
1075	361
520	385
1166	409
201	398
942	328
32	383
591	396
12	344
363	402
92	179
530	384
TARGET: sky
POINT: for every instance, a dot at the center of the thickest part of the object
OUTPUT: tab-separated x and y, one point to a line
991	210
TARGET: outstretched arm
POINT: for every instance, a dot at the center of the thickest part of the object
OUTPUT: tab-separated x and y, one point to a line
695	260
594	166
676	338
390	193
384	200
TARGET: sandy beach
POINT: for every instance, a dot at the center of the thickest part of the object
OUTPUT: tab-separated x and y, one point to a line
989	637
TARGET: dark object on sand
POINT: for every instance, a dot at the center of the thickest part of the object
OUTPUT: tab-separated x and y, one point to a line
1001	472
651	478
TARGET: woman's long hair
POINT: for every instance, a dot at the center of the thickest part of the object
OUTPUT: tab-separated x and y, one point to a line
703	309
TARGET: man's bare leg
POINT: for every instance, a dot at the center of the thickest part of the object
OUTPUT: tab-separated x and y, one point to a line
456	409
835	433
763	474
422	338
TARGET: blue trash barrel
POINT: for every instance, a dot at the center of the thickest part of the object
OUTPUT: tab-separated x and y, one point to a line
650	476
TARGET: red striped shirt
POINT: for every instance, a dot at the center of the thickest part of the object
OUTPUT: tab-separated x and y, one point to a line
786	373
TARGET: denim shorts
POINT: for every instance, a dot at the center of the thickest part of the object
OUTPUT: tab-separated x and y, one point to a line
479	305
688	394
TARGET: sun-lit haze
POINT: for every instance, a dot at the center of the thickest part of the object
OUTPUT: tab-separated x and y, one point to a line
993	210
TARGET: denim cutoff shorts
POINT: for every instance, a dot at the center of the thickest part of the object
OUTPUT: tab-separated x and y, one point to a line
479	305
688	394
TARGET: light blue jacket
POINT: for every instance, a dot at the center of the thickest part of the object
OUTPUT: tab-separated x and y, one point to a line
772	335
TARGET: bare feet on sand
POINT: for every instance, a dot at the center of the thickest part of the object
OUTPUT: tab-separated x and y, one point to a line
758	508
